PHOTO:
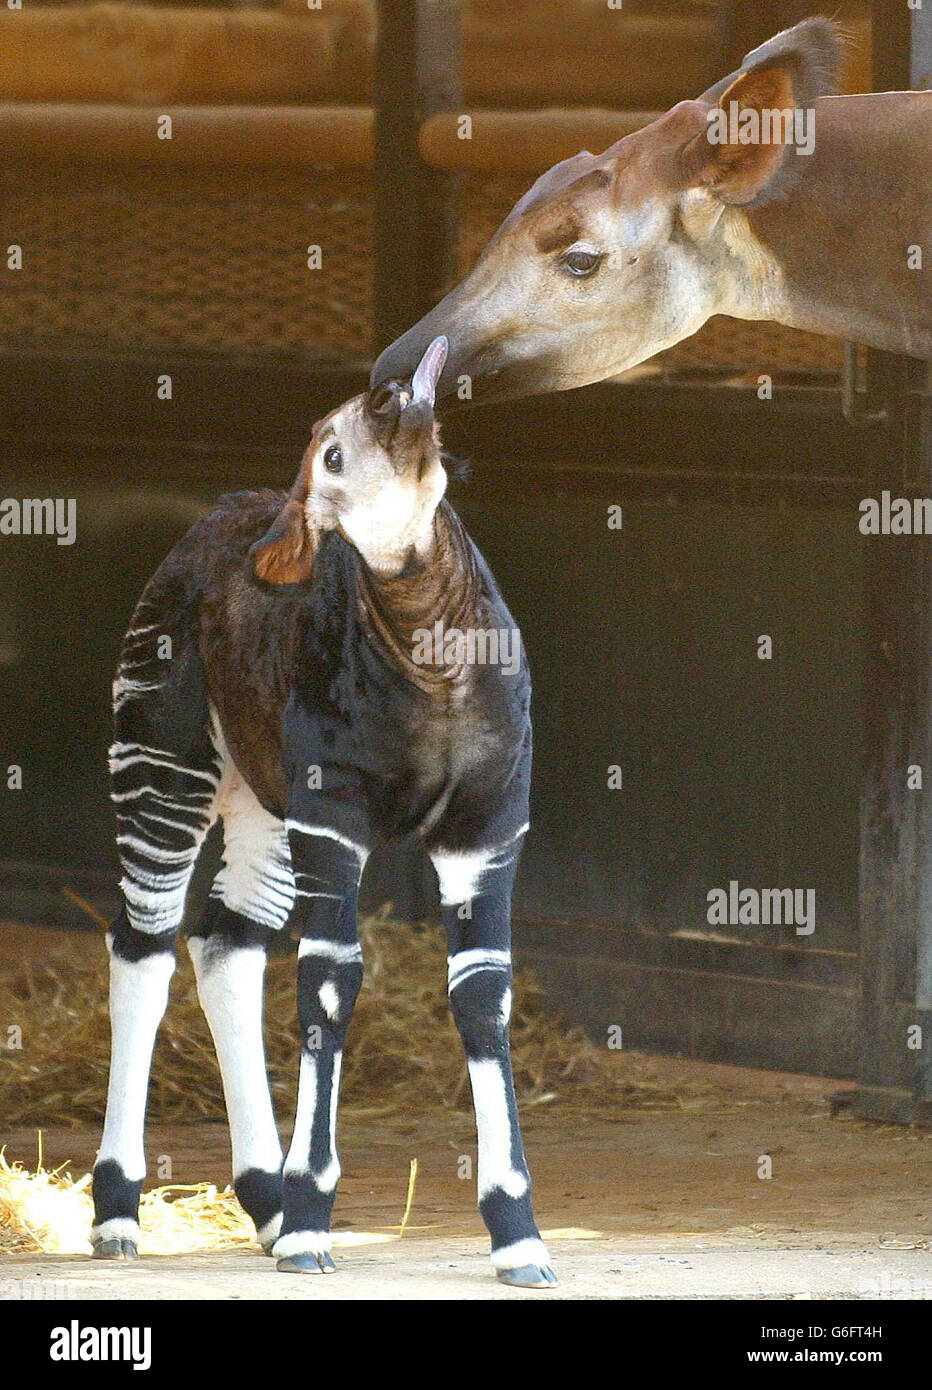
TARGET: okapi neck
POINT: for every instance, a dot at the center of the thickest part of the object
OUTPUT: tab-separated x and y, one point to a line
842	236
442	587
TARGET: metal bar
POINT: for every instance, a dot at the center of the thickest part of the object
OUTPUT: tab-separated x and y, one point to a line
853	406
416	75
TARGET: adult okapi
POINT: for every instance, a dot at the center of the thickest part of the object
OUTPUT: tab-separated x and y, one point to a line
609	259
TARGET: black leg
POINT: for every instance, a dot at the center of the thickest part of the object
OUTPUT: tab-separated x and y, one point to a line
327	868
476	896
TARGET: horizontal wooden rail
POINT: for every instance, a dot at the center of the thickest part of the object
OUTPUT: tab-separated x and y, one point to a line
522	141
265	136
297	137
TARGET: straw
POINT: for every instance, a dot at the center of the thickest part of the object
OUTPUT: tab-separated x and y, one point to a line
402	1051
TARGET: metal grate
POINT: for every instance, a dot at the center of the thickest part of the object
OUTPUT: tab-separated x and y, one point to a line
216	259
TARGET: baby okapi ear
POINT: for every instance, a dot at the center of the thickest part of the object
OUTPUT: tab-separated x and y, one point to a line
285	553
741	155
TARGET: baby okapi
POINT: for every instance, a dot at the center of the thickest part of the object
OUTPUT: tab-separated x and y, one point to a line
297	706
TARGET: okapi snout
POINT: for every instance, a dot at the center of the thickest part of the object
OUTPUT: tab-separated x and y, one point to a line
402	414
383	410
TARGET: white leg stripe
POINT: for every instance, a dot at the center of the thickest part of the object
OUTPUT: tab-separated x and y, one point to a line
230	988
188	826
164	799
523	1252
158	854
156	757
298	1155
302	1243
124	689
467	963
331	950
298	1160
117	1228
460	872
360	851
138	995
330	1176
493	1126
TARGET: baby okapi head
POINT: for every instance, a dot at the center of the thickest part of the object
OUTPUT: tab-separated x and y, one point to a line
373	470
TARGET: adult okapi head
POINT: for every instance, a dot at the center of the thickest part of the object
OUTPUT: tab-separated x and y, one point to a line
609	259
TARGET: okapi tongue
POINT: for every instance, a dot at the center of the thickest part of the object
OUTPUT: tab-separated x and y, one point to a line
424	381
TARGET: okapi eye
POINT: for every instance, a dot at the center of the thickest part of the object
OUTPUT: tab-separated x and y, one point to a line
581	263
333	459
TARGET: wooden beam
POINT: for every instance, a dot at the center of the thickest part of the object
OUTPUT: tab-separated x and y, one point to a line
416	75
522	141
300	137
271	137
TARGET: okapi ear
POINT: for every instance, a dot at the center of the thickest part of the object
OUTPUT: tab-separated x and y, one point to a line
786	74
811	52
285	554
715	159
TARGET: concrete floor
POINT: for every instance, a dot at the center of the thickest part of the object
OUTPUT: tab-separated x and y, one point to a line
652	1204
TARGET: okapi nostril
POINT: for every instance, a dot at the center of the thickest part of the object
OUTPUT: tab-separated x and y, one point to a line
386	399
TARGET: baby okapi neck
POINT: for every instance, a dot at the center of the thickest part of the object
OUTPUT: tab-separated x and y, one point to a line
443	588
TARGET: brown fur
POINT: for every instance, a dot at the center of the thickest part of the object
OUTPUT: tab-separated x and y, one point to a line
250	632
445	590
738	173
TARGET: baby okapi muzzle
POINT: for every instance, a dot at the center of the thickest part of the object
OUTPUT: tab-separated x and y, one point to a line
300	709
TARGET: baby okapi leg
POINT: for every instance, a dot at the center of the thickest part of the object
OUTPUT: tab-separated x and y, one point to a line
250	900
165	805
476	899
327	868
141	967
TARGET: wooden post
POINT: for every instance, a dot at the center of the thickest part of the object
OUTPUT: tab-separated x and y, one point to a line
416	75
895	1073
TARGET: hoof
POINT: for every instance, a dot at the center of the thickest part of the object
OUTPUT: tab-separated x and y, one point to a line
116	1249
529	1277
306	1264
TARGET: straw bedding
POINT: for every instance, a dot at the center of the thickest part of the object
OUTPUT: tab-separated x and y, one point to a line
402	1053
402	1049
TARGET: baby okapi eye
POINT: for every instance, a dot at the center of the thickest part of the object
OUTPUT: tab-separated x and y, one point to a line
333	458
581	263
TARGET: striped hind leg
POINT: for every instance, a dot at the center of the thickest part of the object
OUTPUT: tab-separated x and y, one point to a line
250	900
165	803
